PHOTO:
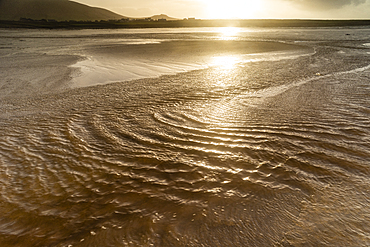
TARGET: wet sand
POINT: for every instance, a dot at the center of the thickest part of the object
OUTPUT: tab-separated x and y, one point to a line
268	149
33	64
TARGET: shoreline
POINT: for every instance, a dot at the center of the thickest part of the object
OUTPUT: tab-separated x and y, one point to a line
119	24
123	63
45	67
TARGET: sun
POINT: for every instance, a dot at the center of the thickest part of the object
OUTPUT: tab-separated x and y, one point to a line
232	9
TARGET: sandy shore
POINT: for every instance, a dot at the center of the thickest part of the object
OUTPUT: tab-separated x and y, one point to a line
214	156
116	62
39	62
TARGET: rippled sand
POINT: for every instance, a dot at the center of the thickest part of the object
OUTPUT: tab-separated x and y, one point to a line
269	149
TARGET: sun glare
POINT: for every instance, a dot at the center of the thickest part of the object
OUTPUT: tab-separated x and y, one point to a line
232	9
224	62
229	31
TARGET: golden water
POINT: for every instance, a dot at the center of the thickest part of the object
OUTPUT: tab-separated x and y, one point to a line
266	152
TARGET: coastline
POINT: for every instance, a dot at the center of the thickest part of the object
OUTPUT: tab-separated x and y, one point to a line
122	63
45	62
118	24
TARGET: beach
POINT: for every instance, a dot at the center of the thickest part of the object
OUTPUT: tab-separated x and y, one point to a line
185	137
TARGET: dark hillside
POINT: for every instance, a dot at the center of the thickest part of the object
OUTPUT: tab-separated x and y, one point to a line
60	10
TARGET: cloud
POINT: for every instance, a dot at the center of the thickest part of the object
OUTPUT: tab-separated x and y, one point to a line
326	4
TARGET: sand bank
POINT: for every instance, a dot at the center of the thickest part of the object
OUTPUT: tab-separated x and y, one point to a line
39	62
122	62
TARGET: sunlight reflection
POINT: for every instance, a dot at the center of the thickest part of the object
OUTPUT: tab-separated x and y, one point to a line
225	62
229	33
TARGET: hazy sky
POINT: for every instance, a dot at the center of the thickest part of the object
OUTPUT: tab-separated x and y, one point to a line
327	9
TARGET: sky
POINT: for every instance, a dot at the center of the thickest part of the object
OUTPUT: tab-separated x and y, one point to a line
240	9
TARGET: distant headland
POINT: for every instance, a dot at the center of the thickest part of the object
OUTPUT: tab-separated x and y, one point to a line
164	23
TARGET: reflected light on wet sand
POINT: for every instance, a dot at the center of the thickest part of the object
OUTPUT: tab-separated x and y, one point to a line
225	62
229	33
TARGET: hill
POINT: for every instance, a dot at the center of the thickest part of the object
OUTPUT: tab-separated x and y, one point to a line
163	16
60	10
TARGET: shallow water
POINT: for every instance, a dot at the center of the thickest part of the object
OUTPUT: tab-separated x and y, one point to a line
262	140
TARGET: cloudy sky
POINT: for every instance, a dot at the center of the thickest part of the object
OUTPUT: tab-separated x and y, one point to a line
244	9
